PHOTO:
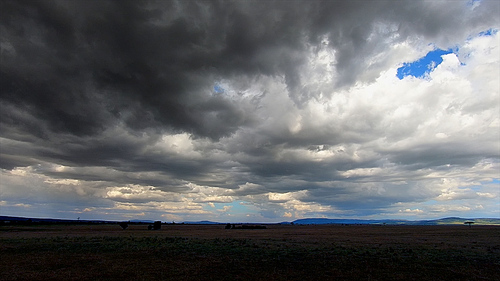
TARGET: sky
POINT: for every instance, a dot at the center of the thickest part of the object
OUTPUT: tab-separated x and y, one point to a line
250	111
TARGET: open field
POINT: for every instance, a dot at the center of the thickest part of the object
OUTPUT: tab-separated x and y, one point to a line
280	252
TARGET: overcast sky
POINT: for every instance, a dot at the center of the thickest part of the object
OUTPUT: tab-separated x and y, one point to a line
250	111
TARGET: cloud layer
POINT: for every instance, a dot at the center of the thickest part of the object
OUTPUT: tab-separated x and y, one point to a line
240	111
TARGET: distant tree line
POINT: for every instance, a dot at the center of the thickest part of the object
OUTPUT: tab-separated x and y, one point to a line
244	226
154	226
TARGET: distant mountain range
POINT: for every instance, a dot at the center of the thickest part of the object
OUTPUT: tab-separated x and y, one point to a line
443	221
202	222
451	220
141	221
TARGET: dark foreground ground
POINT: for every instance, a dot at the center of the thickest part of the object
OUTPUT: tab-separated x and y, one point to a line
280	252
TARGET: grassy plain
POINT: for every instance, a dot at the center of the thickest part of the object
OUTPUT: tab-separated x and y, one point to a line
280	252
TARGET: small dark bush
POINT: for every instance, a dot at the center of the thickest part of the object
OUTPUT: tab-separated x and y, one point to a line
157	225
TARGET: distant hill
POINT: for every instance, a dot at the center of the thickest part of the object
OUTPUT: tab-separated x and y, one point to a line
347	221
478	221
25	220
201	222
141	221
47	220
443	221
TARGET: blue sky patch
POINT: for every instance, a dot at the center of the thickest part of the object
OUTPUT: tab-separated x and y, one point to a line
421	67
488	32
472	3
218	89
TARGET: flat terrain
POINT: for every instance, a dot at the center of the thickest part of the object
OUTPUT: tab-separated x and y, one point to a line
280	252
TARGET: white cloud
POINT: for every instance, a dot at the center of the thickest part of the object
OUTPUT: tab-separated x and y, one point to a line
412	211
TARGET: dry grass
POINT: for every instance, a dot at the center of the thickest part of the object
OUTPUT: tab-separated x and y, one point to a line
280	252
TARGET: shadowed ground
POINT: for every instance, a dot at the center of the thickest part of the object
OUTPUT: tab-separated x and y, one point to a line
280	252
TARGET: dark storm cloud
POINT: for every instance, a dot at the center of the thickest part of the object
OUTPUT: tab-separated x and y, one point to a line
77	67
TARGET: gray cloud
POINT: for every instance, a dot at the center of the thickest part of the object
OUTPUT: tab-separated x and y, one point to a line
122	95
79	66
